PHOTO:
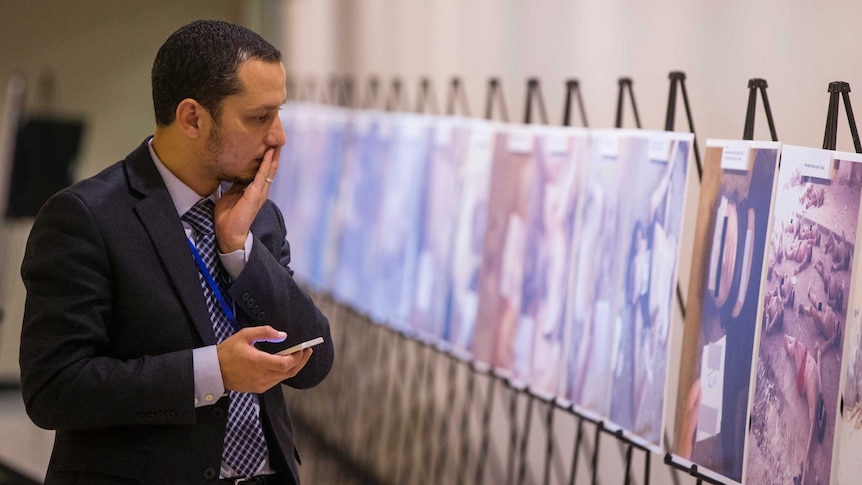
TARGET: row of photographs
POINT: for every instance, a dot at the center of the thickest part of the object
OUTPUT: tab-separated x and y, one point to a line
551	255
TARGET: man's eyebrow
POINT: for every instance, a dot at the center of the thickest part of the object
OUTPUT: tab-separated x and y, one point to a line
265	107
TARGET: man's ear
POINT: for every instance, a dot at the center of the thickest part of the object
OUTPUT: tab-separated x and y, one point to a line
192	117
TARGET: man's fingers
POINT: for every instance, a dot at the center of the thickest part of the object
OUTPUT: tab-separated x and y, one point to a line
266	173
263	333
303	357
273	168
293	363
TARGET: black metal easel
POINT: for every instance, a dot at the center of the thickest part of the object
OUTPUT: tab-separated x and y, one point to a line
345	97
516	446
427	376
755	85
573	89
330	93
692	470
372	93
534	94
308	90
625	84
426	98
678	77
494	94
456	92
836	89
396	99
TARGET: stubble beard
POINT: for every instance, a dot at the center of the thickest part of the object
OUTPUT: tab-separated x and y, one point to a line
216	153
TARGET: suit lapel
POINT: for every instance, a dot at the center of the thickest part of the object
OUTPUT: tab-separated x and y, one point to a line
159	217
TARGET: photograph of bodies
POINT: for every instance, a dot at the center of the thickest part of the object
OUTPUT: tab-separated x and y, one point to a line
653	210
848	428
796	394
730	244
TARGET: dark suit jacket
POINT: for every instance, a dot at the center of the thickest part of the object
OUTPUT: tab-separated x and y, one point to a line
114	308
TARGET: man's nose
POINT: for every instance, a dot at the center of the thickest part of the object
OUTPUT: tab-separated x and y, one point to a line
276	136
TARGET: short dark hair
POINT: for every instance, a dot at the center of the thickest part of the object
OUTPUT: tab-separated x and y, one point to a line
200	61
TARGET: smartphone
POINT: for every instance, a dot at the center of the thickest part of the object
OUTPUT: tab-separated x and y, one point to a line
303	345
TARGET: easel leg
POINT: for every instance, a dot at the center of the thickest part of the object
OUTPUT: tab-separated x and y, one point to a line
549	452
576	453
595	470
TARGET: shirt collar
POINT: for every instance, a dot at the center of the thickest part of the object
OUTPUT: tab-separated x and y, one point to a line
182	195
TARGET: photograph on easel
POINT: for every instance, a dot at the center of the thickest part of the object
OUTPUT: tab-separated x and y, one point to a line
468	236
796	394
718	342
597	272
304	129
358	203
561	160
395	241
438	221
501	274
652	232
846	465
306	185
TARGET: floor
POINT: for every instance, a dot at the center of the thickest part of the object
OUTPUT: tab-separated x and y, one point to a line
24	448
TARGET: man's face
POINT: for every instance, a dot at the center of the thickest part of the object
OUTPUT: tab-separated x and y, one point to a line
248	123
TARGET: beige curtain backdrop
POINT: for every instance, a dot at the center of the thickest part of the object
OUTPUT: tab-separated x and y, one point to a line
798	47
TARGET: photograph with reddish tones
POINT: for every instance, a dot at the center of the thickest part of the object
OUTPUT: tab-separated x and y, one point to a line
796	395
848	429
501	274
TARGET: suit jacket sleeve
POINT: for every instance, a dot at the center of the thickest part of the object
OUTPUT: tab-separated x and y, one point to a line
266	294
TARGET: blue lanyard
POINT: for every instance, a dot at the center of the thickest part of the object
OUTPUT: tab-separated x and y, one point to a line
228	311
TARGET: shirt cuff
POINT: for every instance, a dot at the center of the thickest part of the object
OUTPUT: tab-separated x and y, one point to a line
209	386
234	262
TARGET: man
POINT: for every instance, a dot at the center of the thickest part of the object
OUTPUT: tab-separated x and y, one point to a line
131	345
